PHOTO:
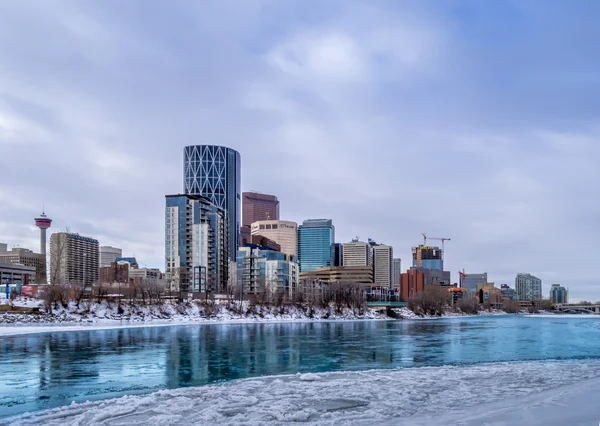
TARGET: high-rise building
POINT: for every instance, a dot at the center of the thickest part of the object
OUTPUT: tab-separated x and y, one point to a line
470	281
109	255
559	294
214	172
283	232
396	271
257	206
73	259
196	246
316	244
27	257
528	287
356	253
382	265
267	273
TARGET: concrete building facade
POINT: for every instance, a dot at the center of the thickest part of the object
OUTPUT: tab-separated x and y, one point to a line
196	246
27	257
396	271
257	207
356	253
109	255
283	232
528	287
214	172
12	273
316	244
341	274
383	265
74	259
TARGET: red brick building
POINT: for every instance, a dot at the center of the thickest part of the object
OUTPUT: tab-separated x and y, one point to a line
411	283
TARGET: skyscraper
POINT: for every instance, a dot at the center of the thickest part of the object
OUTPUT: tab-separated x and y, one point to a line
470	281
283	232
256	206
73	259
214	172
356	253
316	244
528	287
196	246
382	265
396	271
109	255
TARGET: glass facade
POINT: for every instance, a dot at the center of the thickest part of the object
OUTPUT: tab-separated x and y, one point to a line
266	271
316	244
214	172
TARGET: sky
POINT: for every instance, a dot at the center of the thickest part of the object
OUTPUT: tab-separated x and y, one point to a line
470	120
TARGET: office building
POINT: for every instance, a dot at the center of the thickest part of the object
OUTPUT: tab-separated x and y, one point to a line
316	244
470	281
266	273
256	207
114	273
214	172
263	243
412	282
528	287
284	233
356	253
73	259
27	257
196	246
3	247
396	271
14	274
383	265
338	252
131	261
341	275
245	235
559	294
109	255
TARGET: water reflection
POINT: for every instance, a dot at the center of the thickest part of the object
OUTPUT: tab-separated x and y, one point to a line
51	369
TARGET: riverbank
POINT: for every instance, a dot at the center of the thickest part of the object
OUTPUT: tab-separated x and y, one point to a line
533	393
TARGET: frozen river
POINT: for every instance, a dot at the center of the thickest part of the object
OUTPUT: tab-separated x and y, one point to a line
47	370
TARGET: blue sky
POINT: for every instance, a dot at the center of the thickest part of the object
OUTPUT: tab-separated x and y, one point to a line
472	120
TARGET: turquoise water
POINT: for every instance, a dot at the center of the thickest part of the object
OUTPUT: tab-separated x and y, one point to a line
41	371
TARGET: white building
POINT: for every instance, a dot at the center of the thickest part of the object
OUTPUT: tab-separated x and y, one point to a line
528	287
356	253
283	232
109	255
396	271
382	265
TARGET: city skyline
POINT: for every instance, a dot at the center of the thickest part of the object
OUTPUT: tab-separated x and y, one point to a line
512	142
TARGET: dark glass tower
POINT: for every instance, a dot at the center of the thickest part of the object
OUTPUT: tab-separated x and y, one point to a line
215	173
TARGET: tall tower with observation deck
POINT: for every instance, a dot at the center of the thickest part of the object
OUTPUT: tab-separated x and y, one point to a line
43	222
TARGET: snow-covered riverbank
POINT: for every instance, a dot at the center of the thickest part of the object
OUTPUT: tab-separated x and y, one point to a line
533	393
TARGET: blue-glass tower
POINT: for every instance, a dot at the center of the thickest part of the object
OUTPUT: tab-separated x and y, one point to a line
214	172
316	244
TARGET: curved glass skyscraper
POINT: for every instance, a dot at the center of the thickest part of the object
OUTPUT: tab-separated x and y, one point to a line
215	173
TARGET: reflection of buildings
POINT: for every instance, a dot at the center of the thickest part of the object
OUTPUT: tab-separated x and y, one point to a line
559	294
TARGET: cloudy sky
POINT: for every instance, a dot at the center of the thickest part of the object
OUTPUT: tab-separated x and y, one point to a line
472	120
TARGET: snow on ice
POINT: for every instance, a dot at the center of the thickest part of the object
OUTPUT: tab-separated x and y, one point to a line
533	393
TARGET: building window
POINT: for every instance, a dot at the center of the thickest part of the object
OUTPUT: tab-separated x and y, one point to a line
274	226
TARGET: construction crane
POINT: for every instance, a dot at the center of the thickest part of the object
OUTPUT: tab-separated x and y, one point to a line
443	240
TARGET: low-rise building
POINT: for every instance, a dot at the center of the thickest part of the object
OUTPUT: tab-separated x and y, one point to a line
27	257
341	274
14	274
